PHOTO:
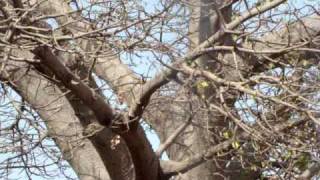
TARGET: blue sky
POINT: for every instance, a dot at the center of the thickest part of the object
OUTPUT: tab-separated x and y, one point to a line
142	68
41	158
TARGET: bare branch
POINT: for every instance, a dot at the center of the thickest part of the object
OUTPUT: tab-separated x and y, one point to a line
102	110
172	137
240	87
162	79
310	172
55	110
171	168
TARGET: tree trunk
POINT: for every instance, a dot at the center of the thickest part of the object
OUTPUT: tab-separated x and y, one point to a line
63	125
200	135
98	151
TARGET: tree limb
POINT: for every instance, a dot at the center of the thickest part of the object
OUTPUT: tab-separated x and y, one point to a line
102	110
200	49
63	125
172	137
171	168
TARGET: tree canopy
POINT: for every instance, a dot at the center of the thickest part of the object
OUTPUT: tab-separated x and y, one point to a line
231	87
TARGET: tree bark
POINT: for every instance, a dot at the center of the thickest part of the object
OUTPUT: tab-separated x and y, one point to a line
70	115
63	125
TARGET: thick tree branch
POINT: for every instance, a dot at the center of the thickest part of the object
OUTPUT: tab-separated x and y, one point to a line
239	86
171	168
147	164
102	110
63	125
143	93
145	161
300	36
201	49
172	137
215	115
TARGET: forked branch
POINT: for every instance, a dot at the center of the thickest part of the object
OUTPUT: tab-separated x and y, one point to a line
102	110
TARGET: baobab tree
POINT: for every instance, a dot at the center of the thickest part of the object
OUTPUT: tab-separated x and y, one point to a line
230	87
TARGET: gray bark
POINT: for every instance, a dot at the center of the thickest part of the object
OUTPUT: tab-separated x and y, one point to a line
93	157
63	125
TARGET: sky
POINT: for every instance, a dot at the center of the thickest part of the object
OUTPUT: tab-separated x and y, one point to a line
151	135
141	68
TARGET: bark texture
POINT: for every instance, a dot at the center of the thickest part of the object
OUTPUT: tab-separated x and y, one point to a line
101	142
